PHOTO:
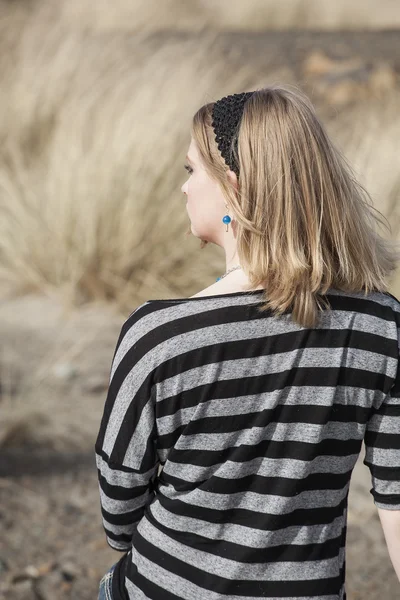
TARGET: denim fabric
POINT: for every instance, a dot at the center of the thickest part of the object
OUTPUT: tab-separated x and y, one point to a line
105	586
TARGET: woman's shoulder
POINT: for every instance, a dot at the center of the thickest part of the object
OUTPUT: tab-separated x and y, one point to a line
221	287
211	290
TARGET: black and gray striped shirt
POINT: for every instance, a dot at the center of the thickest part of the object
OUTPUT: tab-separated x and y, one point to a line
257	424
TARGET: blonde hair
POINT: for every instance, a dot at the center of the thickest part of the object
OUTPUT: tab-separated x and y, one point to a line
304	223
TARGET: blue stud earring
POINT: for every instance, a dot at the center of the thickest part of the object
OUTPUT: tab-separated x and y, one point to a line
226	219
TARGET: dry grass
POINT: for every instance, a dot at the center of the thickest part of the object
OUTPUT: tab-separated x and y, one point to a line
94	130
91	157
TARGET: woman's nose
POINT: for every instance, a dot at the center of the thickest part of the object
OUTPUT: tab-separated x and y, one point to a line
183	189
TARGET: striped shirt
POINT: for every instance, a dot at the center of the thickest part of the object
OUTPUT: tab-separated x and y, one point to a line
228	440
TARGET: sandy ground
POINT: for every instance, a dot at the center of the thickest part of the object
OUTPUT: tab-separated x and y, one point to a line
52	544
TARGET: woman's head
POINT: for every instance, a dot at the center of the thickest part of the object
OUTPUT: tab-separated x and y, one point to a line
302	223
206	202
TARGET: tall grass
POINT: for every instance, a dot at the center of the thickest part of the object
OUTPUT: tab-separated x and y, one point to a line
93	132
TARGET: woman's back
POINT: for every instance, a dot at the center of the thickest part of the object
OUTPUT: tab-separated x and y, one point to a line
258	424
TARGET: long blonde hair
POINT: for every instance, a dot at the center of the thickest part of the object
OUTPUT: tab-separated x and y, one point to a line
304	223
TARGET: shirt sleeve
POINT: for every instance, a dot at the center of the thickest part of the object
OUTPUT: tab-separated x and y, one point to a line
382	449
125	448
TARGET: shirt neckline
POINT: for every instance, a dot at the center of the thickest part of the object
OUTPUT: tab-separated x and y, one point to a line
227	295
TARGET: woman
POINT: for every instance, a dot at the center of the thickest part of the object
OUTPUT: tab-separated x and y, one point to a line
256	394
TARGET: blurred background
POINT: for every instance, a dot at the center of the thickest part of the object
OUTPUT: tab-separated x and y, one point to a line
96	101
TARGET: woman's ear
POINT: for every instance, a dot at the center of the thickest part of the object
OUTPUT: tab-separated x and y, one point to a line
233	178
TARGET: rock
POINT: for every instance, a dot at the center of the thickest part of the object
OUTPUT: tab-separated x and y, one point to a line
65	371
32	571
46	567
69	571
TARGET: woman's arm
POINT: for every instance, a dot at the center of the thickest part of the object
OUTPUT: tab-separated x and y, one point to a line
126	452
390	521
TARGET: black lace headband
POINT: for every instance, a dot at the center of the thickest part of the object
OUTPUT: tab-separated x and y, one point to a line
226	115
